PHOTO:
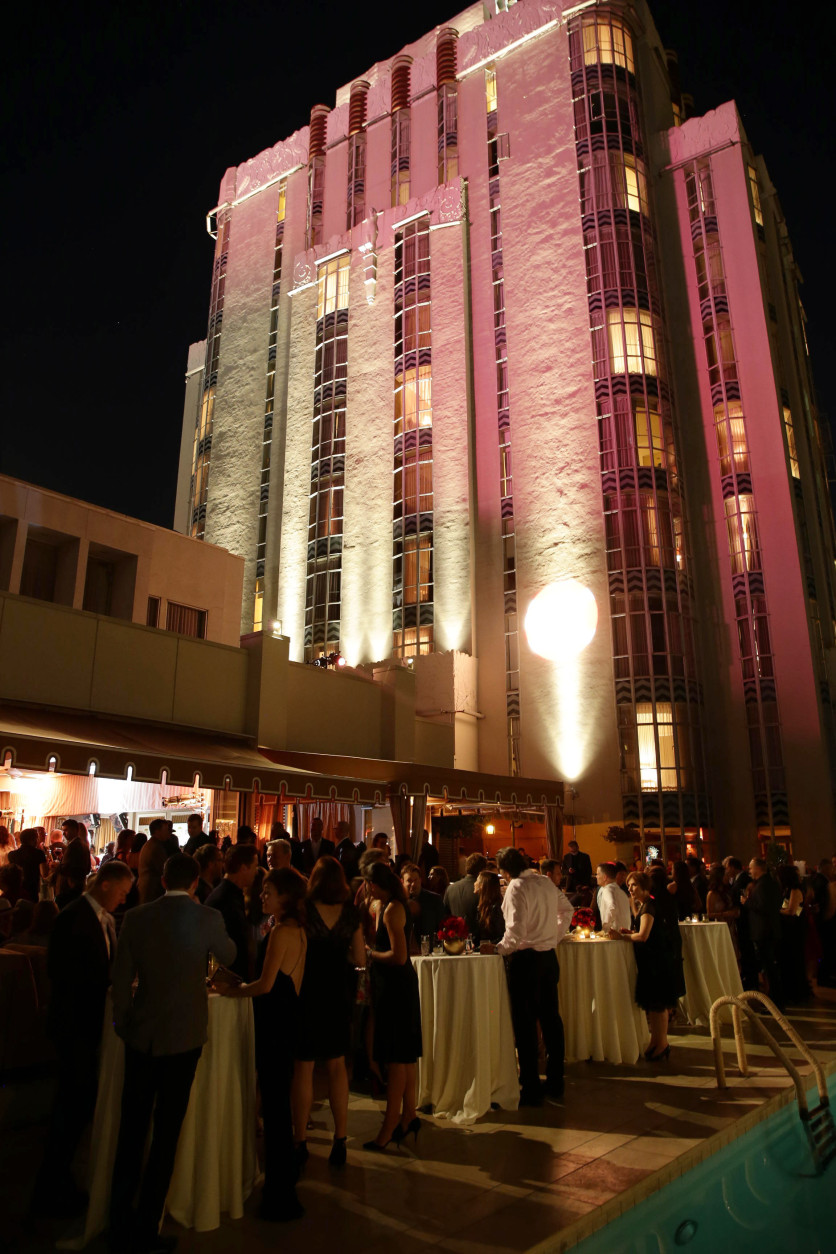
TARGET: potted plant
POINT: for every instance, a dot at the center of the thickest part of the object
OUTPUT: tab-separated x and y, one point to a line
453	934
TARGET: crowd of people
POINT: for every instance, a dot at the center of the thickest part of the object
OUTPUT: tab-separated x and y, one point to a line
320	935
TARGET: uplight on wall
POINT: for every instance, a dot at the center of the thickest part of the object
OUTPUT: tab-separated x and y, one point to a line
489	829
561	620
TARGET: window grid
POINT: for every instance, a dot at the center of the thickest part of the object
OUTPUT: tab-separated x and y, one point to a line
656	690
738	502
448	133
269	400
400	156
356	200
325	513
203	431
412	488
503	404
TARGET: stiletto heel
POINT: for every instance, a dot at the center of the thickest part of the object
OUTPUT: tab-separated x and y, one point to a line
374	1148
300	1155
413	1127
337	1156
661	1056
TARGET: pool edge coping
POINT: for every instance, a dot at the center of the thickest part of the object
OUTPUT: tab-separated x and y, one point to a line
598	1219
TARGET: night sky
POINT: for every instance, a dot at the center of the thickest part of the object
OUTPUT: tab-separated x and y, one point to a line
120	121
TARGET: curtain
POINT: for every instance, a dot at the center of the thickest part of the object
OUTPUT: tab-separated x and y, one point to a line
554	831
399	806
419	813
331	813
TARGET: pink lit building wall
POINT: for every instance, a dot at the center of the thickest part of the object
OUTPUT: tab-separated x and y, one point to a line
501	318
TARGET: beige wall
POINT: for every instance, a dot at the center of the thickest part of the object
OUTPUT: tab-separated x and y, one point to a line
169	565
195	371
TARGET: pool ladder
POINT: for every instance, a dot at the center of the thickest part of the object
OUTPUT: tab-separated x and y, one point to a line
818	1122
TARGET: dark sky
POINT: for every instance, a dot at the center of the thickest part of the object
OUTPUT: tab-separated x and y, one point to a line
119	121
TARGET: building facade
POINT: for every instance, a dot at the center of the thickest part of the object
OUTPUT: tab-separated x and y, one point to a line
503	324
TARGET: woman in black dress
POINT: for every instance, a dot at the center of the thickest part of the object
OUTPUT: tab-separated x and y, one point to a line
656	982
397	1009
279	966
326	1003
490	921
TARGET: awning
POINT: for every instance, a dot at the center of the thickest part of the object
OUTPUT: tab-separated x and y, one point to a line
114	747
437	783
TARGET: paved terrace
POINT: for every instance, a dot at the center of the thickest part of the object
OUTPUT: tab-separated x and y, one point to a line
508	1183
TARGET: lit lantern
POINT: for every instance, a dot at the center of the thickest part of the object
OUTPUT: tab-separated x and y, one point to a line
561	620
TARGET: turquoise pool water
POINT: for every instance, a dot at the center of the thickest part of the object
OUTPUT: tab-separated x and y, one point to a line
759	1193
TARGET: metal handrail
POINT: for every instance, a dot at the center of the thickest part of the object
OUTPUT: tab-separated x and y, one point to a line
739	1003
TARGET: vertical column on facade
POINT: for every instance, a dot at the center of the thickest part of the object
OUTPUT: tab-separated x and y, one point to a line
446	52
412	513
269	393
401	126
325	518
657	692
356	189
496	147
730	424
316	173
203	431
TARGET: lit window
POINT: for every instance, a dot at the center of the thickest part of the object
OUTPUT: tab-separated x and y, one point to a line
414	641
731	439
282	200
791	446
490	90
258	605
658	770
608	43
332	286
413	399
756	195
400	157
632	342
633	193
743	534
649	442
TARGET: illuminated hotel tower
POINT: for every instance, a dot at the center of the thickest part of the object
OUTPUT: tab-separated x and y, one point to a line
503	321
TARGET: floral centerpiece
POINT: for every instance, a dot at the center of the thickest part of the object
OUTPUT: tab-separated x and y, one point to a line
453	934
583	921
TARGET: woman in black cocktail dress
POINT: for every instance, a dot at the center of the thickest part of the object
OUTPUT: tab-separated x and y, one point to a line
657	981
397	1008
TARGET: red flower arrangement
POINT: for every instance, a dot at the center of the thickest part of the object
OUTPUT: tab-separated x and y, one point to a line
583	917
453	929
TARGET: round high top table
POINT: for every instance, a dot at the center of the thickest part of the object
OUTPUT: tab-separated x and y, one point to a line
216	1164
469	1061
597	1001
710	965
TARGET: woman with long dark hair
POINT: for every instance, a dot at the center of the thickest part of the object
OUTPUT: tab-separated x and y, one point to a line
490	921
656	987
397	1009
280	965
683	892
326	1002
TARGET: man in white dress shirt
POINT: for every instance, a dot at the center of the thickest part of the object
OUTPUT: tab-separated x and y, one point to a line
530	908
613	905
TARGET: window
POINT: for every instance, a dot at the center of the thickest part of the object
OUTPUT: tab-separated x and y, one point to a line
741	523
631	183
400	157
448	129
731	439
490	91
756	195
632	342
413	641
152	613
649	441
719	350
657	765
258	605
356	206
185	620
791	447
413	399
607	43
332	285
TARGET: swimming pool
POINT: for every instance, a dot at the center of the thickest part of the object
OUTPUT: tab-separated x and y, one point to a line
758	1192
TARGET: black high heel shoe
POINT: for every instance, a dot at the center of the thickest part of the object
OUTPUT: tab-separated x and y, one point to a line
400	1134
374	1148
337	1156
661	1056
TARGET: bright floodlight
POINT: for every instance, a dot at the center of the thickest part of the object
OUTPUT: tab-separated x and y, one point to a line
561	620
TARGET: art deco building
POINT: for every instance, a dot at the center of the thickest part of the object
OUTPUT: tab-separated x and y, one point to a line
505	338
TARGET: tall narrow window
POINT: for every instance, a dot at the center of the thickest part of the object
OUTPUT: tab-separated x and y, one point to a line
400	130
448	125
325	517
756	195
316	173
202	450
412	513
791	447
356	196
632	341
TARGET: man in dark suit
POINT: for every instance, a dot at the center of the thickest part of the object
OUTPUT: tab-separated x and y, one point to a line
427	909
196	837
460	898
315	848
240	869
82	947
577	868
762	907
165	946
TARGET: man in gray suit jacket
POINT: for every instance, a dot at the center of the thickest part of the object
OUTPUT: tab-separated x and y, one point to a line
460	898
165	945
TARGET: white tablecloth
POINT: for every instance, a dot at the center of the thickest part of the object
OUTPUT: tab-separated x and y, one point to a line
597	1001
216	1165
469	1059
710	968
